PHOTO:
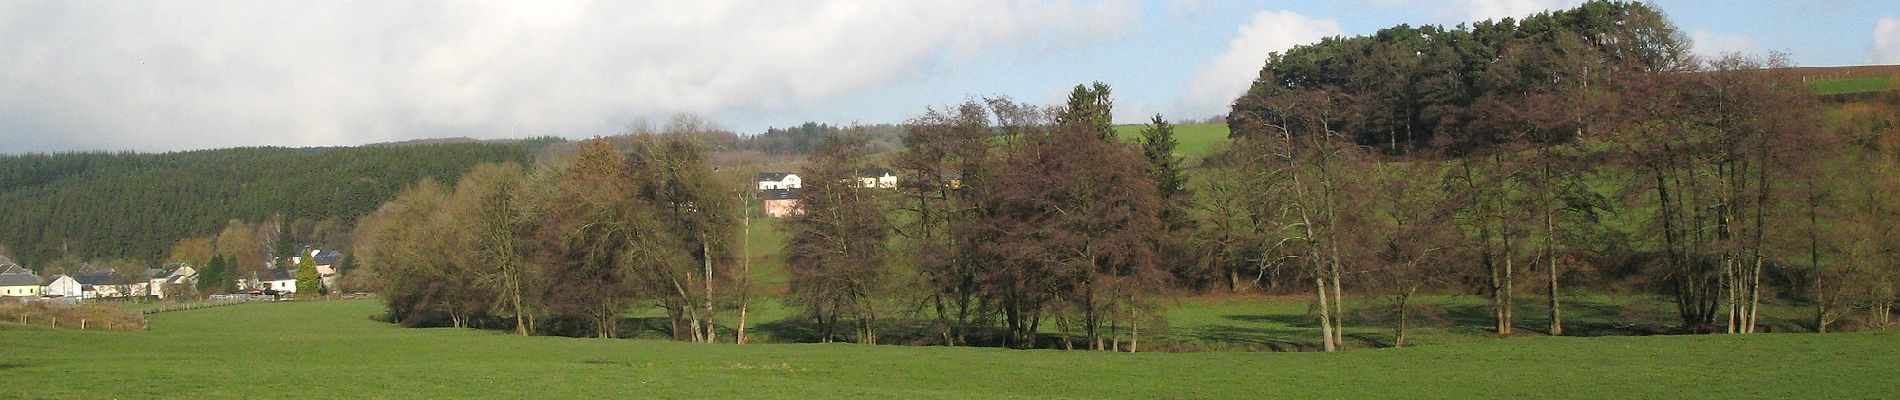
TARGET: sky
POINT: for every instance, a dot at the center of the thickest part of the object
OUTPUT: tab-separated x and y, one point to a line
155	76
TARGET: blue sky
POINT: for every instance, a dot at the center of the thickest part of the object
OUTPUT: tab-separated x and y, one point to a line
179	75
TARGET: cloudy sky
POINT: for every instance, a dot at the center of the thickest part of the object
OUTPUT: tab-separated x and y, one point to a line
179	75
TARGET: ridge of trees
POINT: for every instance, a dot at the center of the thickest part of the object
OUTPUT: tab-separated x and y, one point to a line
67	208
1573	149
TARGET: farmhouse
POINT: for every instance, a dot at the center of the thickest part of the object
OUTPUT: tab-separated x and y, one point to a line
63	286
779	203
182	275
327	262
877	178
85	285
16	281
278	279
779	180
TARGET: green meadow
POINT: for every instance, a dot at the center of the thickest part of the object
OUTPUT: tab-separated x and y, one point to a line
1854	85
333	349
1191	140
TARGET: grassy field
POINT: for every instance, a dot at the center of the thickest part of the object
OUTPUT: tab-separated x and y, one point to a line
1191	140
332	349
1853	85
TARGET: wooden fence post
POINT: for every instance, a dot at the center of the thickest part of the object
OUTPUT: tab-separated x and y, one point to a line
82	324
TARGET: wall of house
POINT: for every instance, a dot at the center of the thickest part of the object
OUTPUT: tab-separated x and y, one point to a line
781	208
790	182
20	291
64	286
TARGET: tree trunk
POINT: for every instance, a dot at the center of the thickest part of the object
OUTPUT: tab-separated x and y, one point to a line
1754	298
705	251
745	268
1398	335
1550	245
1134	330
1325	316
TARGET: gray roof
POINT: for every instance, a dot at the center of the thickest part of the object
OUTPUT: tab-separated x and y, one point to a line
19	279
781	194
276	274
4	261
94	278
773	176
13	269
328	257
874	172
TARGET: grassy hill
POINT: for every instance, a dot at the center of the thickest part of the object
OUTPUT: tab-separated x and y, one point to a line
331	349
1853	85
1192	140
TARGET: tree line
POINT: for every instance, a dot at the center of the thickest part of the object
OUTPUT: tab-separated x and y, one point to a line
561	247
1577	139
65	209
1573	150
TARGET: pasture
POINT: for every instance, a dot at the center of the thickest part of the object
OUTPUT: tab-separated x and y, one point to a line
332	349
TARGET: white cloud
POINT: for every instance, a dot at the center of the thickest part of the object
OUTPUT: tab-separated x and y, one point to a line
1710	45
1228	75
133	75
1476	10
1886	42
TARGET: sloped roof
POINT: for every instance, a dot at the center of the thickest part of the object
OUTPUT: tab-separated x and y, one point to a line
13	269
94	278
874	172
4	262
327	257
276	274
773	176
11	278
780	194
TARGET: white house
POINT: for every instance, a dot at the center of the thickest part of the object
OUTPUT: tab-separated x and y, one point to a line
278	279
64	286
17	282
878	178
779	180
94	285
182	277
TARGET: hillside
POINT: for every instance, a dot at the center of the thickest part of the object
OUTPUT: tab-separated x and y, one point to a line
134	205
201	356
1192	140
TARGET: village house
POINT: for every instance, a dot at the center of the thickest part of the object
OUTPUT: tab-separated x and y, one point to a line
182	277
63	286
84	285
16	281
779	180
877	178
780	203
273	278
327	262
779	193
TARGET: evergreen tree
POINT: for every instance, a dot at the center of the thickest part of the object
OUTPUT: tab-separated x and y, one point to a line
1090	106
307	281
213	272
1157	144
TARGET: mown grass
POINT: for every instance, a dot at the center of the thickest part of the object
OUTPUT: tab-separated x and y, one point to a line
1853	85
331	349
1191	140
